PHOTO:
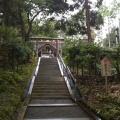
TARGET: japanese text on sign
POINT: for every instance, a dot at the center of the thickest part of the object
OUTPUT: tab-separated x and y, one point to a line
105	67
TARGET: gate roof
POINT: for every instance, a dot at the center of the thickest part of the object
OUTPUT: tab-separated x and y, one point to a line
45	38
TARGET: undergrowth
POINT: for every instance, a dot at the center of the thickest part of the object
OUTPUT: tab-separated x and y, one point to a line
12	84
103	103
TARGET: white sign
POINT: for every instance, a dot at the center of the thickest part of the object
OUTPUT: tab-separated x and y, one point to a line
105	67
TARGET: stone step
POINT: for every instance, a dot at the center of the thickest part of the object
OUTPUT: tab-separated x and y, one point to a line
49	78
42	78
48	69
50	94
58	75
49	73
37	83
49	97
62	119
49	65
40	86
56	112
59	86
48	61
52	101
49	83
49	91
49	88
52	105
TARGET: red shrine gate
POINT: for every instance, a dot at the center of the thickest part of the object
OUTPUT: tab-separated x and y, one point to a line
47	45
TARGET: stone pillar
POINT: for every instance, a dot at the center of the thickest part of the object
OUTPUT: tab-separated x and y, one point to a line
57	48
37	48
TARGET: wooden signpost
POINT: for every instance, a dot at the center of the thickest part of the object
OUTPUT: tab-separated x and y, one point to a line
105	69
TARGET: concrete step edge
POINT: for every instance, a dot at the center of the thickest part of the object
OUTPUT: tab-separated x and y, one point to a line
62	119
51	105
49	97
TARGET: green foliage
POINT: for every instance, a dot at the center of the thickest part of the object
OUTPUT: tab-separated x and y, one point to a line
76	24
47	29
109	106
104	98
115	6
15	52
104	11
86	54
21	14
110	36
86	90
7	33
10	95
114	56
110	111
8	78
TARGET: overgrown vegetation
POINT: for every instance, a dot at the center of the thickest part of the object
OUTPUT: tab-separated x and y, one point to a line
84	60
105	104
12	84
16	65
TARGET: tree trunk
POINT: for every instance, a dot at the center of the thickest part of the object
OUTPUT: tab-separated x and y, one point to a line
27	35
77	68
22	25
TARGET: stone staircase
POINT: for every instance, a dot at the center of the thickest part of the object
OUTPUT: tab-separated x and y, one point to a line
50	99
49	83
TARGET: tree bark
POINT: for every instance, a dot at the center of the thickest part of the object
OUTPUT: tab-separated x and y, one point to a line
77	68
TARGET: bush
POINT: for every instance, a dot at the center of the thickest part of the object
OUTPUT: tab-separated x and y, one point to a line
8	78
12	89
15	52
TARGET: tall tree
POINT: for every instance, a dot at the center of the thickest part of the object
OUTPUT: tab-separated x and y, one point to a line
110	38
77	23
23	12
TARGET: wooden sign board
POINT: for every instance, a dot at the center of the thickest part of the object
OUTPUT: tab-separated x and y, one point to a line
105	67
